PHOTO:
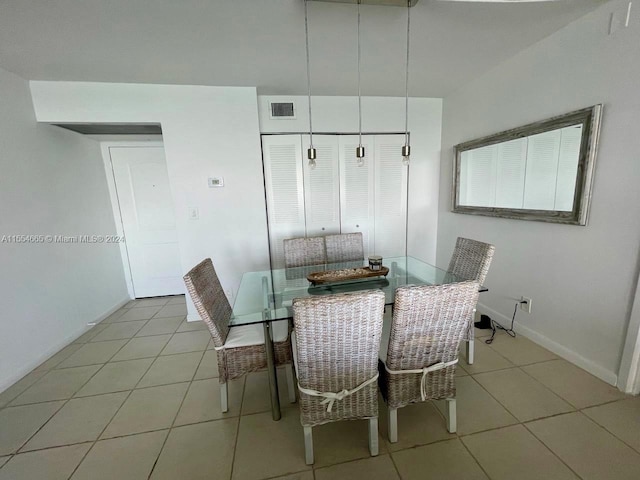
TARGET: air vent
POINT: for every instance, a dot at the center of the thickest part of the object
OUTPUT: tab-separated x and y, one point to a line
282	110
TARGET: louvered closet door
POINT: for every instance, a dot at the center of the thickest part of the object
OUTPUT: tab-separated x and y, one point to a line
321	186
282	156
390	196
356	190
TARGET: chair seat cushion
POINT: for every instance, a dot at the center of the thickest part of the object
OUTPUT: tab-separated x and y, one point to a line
248	335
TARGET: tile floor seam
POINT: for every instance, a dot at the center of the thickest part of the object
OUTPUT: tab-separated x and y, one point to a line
637	450
107	423
549	448
235	445
18	450
474	458
575	408
186	392
543	385
499	402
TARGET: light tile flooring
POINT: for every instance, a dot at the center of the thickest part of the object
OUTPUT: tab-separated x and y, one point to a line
137	397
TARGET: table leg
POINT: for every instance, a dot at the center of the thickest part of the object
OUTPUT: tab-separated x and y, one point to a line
271	370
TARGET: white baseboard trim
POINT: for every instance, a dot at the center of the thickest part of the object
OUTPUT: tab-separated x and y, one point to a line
193	317
594	369
56	347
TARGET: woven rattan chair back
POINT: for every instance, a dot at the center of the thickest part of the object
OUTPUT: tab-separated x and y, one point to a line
337	344
428	324
346	247
300	252
209	298
471	259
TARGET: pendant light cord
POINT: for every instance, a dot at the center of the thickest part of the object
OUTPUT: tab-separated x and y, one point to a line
406	81
306	35
359	97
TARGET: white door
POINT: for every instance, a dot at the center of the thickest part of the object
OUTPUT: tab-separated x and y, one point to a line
356	190
148	219
321	186
390	196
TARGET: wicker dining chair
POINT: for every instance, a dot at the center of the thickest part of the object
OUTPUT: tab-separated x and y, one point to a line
240	349
345	247
302	252
428	325
471	260
337	338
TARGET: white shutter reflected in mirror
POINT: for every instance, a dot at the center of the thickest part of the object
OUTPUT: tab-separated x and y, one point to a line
321	187
356	190
390	196
542	168
568	167
282	156
511	163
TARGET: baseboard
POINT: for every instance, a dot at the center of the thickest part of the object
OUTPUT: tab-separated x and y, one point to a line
55	348
594	369
193	317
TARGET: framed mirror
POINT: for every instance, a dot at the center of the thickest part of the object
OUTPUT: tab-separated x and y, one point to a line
542	171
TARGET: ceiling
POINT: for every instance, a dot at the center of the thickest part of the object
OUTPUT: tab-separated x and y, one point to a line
261	42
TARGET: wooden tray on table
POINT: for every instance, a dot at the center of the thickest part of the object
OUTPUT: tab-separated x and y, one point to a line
345	275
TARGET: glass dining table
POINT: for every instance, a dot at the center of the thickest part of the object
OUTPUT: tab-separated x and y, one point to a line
266	296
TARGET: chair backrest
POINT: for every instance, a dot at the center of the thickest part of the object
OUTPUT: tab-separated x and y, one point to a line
337	344
209	298
300	252
429	322
345	247
471	259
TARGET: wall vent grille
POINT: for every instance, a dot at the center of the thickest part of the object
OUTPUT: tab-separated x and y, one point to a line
283	110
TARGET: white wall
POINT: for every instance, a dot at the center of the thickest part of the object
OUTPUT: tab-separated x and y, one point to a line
52	183
381	115
207	131
581	279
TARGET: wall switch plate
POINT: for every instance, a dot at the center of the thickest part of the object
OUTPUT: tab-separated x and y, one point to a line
194	213
215	182
525	306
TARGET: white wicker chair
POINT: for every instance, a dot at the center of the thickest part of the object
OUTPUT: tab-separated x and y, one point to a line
336	344
302	252
471	260
345	247
241	349
428	325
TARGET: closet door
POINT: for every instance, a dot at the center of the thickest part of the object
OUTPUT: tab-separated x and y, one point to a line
321	186
356	190
390	196
282	156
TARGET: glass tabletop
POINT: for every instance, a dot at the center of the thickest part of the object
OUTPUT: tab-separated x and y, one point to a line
268	295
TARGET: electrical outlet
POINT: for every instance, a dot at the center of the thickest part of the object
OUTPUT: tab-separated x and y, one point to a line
525	306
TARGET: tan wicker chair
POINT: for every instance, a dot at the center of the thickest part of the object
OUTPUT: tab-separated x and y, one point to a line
301	252
470	261
337	338
346	247
428	325
241	349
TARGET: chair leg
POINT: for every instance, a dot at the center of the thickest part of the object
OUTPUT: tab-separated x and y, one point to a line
470	351
451	415
373	436
308	445
393	425
224	398
291	383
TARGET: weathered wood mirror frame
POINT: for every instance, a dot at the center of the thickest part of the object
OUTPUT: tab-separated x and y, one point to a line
590	119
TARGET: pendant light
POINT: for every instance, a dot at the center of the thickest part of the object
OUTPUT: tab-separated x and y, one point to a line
406	149
311	152
360	148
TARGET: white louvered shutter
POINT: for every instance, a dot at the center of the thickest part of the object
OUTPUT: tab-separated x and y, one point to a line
282	156
356	190
390	196
321	186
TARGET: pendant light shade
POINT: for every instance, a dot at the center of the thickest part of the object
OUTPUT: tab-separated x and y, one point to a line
360	149
406	149
311	152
